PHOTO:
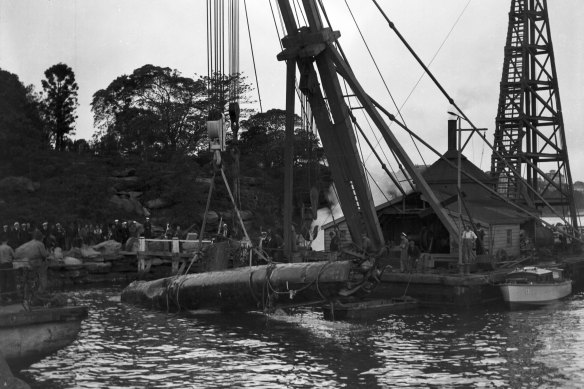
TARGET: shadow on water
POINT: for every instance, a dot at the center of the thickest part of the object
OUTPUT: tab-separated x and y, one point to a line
125	346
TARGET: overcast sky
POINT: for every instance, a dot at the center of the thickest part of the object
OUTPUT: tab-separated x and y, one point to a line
103	39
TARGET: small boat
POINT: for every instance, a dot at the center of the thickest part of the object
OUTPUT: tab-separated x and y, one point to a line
27	336
367	309
535	285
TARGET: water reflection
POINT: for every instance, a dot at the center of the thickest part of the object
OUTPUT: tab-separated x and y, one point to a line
129	347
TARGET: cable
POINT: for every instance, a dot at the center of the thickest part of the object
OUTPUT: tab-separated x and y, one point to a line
436	53
381	75
275	24
253	55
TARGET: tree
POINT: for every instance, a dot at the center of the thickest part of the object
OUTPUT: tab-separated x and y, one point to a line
152	112
60	101
264	136
21	126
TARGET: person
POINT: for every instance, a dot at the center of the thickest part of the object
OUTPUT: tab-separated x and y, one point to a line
366	244
403	245
468	241
14	239
60	236
480	239
293	239
36	254
6	278
148	229
413	255
334	245
5	233
178	233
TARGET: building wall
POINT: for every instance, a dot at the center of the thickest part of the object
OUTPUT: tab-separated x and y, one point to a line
342	226
503	237
497	237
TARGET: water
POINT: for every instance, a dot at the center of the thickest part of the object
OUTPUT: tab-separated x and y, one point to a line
122	346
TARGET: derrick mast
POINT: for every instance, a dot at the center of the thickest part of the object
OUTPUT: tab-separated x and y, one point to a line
530	157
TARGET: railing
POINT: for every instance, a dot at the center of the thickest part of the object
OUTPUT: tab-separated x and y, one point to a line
178	250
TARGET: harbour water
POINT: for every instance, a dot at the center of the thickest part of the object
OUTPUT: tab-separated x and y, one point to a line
122	346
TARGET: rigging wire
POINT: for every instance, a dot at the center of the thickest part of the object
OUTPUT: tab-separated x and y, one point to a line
253	55
338	45
301	12
275	24
381	75
436	53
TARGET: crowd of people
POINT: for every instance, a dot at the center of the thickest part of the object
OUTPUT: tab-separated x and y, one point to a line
66	236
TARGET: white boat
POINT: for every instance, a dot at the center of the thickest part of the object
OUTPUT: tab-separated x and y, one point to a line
534	285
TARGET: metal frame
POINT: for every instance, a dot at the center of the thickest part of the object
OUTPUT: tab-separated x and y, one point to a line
530	141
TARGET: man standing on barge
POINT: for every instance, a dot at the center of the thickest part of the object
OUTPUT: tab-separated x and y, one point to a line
468	241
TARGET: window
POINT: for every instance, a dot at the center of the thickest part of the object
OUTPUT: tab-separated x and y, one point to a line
509	237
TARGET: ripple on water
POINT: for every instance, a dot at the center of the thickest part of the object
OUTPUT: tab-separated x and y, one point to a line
128	347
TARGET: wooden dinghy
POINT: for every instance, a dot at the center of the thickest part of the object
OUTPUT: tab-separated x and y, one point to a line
367	309
28	336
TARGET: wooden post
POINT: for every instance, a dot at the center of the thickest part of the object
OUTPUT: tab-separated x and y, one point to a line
175	245
141	262
289	155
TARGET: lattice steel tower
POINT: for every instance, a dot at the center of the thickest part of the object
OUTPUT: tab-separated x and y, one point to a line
531	157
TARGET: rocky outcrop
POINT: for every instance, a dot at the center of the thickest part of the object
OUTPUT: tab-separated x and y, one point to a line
158	203
127	203
19	184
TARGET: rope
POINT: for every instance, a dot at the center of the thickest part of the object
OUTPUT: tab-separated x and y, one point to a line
381	75
275	24
436	53
252	53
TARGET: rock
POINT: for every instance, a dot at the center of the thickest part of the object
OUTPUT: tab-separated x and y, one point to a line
212	218
158	203
18	184
7	380
126	183
201	180
58	253
89	252
129	172
109	247
71	261
129	205
132	245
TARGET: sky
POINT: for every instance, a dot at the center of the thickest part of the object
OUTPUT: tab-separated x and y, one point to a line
462	41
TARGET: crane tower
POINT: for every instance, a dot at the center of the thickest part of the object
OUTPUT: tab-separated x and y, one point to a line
530	156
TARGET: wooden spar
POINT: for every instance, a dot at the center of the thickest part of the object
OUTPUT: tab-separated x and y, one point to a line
289	156
306	47
344	69
243	289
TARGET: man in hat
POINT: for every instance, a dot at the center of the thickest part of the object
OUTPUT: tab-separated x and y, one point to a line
403	245
5	233
468	241
6	276
36	254
14	235
147	229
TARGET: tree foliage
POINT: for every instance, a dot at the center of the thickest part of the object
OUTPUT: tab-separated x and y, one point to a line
152	112
156	112
264	137
60	102
21	126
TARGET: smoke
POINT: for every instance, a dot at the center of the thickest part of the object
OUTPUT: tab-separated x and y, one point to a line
382	189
